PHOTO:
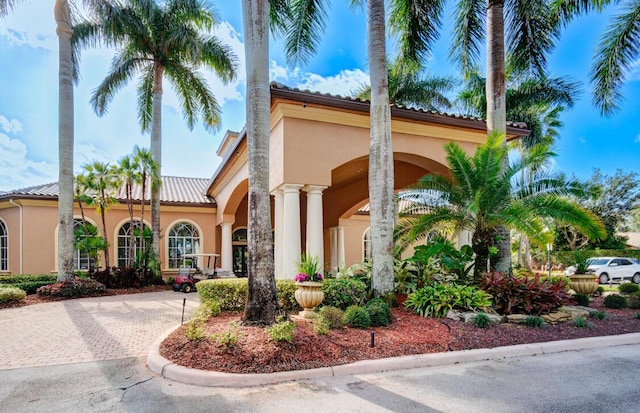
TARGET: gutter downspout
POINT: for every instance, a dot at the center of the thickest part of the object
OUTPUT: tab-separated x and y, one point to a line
12	202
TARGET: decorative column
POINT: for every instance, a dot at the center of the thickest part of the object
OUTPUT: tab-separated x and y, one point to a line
291	237
464	238
278	257
336	235
227	250
315	227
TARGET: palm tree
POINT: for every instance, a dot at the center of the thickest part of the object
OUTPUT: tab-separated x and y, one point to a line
262	301
155	41
99	182
525	41
617	53
127	172
480	196
148	170
412	89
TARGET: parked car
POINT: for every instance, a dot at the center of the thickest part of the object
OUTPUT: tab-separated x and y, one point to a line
612	268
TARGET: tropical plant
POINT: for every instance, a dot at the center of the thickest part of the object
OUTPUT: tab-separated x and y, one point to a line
458	262
149	172
481	320
356	317
308	268
617	52
480	196
156	40
127	173
436	300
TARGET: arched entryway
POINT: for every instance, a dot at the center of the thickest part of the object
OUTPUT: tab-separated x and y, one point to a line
239	251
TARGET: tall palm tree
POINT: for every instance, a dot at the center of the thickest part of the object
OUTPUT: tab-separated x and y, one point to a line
617	52
156	40
526	40
480	196
411	89
262	301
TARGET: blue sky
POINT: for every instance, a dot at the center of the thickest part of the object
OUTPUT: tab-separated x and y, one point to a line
28	98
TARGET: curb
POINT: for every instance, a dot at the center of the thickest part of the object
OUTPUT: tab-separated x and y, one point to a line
169	370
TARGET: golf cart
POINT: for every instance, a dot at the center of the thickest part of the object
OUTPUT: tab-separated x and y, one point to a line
189	275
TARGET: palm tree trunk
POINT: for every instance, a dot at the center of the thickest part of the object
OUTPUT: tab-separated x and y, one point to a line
156	153
107	262
381	179
142	196
132	239
262	301
65	142
497	108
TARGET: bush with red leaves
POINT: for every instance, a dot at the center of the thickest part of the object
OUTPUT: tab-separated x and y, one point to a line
524	295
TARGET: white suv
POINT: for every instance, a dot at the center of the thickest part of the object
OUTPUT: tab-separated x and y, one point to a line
610	268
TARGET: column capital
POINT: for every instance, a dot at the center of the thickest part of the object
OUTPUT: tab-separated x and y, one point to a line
226	224
314	189
290	188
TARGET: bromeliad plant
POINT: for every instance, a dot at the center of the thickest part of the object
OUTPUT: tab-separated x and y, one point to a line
308	269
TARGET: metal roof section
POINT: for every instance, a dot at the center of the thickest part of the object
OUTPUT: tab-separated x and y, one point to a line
175	190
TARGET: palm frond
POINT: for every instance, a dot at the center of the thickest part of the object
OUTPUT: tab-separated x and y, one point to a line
307	24
469	31
123	68
568	9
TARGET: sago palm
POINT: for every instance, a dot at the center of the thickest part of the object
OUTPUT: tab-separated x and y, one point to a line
480	196
157	41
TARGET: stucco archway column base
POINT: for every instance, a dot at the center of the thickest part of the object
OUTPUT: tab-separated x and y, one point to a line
227	249
291	241
337	248
315	226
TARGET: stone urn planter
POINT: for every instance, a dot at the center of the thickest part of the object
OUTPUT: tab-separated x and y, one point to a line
309	295
583	283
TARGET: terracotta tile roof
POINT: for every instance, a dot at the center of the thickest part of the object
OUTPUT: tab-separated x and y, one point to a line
174	190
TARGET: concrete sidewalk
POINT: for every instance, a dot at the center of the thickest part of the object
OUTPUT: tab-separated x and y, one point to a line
88	329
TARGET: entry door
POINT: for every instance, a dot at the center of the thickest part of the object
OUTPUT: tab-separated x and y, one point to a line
240	260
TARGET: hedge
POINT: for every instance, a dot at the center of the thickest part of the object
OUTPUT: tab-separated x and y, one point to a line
23	278
8	294
232	293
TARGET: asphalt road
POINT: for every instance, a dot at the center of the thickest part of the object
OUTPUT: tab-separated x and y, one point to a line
586	381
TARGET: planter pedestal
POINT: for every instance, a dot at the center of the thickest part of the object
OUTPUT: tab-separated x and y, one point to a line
583	283
309	295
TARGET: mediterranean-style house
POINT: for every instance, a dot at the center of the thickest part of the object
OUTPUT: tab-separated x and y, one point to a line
319	157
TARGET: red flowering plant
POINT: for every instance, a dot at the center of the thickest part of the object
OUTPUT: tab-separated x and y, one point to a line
308	269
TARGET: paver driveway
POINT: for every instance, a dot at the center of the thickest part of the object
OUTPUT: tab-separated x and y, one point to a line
88	329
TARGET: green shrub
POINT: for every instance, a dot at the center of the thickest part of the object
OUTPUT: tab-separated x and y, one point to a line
193	331
282	332
229	338
598	291
436	300
23	278
332	315
379	312
600	315
532	295
357	317
615	301
582	323
481	320
638	316
232	293
628	288
30	287
8	294
344	292
634	300
534	321
210	307
582	299
170	280
322	326
74	288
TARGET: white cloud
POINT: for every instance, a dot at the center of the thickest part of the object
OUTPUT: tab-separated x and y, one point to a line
31	23
17	171
637	139
12	126
344	83
88	153
582	140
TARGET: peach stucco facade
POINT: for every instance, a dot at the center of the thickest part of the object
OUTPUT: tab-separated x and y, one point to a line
319	153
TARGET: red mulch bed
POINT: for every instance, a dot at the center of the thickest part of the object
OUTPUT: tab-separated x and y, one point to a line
36	299
408	334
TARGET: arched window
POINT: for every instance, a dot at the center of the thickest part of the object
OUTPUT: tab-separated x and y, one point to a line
4	247
124	242
366	245
239	235
183	239
81	256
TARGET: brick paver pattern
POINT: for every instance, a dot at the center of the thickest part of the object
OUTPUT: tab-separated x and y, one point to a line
88	329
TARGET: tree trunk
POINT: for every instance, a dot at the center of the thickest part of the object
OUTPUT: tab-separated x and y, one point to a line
262	301
62	15
132	239
480	242
380	156
156	154
103	206
142	197
497	108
